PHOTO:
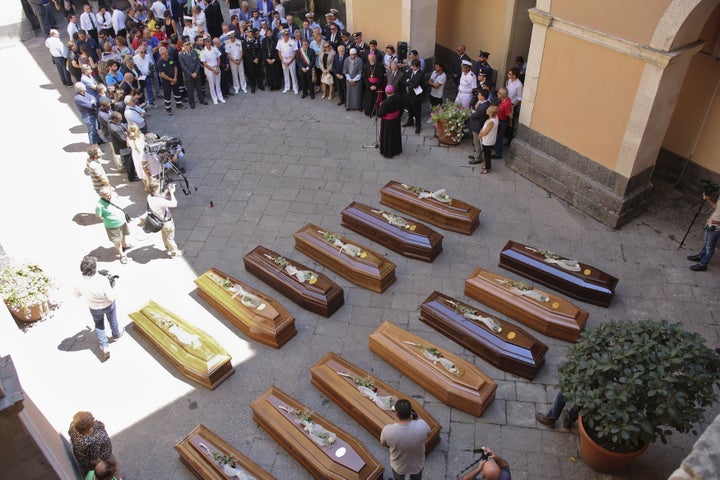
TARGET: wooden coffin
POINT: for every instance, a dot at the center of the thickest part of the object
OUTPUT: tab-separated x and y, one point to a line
456	382
338	380
439	210
342	457
259	316
209	457
548	314
311	290
496	341
406	237
569	277
195	353
356	263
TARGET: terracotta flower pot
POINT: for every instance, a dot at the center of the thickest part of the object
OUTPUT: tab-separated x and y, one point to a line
599	459
444	137
32	313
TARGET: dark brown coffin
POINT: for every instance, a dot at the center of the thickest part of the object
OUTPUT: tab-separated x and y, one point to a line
555	317
201	359
373	272
456	216
344	392
271	324
588	284
511	349
323	296
323	462
193	450
470	391
414	240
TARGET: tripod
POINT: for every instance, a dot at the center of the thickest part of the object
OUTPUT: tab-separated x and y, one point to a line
378	101
697	213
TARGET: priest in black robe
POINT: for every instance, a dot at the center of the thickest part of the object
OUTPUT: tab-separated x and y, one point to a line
390	112
374	80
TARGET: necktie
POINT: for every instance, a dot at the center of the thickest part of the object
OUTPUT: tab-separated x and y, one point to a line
93	20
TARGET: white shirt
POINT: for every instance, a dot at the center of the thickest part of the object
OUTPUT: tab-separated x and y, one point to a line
143	64
71	29
104	20
87	22
158	8
491	136
234	50
515	90
96	291
190	32
435	78
118	20
134	114
210	57
199	20
160	205
467	83
286	49
56	46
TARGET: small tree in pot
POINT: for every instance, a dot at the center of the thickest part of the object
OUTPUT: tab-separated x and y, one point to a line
635	381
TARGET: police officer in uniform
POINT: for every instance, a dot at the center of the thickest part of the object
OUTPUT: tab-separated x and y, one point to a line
251	57
168	71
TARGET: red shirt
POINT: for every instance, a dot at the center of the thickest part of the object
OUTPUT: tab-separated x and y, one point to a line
504	109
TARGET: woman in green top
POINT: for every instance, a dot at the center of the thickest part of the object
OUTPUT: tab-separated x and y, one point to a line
113	218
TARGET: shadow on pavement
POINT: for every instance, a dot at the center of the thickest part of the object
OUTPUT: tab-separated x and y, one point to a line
86	219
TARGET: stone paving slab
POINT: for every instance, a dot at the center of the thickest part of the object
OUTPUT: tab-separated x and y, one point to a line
270	163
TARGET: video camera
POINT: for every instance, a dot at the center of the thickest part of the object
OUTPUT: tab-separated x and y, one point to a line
709	188
111	278
484	455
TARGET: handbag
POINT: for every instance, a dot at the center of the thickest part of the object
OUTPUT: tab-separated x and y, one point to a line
153	223
127	217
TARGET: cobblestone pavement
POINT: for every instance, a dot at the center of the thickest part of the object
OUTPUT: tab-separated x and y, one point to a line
270	163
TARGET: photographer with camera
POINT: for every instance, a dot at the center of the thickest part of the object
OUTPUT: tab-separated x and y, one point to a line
406	440
490	467
99	294
712	232
159	204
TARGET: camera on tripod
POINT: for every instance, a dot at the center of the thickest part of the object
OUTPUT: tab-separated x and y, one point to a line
709	188
111	278
484	455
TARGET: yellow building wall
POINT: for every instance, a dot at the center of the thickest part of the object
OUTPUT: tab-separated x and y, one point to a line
477	24
630	19
380	20
580	102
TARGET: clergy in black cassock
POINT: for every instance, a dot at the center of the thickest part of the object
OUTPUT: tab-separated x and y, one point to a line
390	132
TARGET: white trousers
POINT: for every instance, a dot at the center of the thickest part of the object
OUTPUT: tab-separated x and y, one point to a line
213	81
238	76
290	72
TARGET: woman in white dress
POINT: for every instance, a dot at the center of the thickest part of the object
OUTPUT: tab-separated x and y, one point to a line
136	142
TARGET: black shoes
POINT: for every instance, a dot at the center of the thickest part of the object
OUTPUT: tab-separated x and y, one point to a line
192	105
304	95
698	268
545	420
694	258
340	102
203	102
417	130
474	162
409	124
496	156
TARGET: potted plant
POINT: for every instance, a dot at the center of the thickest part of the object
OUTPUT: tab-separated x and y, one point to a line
25	288
635	382
450	118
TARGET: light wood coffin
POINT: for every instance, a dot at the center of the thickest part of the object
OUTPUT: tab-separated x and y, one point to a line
406	237
195	353
311	290
259	316
456	382
356	263
539	310
455	215
199	448
342	458
336	378
504	345
569	277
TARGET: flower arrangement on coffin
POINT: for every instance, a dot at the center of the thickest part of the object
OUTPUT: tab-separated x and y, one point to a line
436	356
453	117
396	220
438	195
471	314
301	276
366	386
350	249
230	465
246	298
317	434
522	289
24	287
550	257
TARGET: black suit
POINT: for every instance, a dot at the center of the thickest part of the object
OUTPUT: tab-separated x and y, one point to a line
214	19
118	137
337	69
305	76
478	117
413	101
